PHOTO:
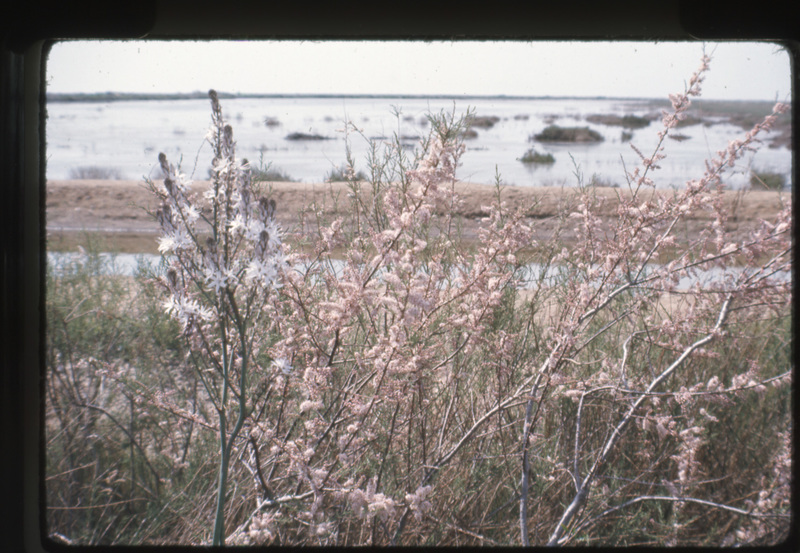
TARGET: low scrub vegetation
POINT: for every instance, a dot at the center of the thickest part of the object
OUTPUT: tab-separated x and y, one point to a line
625	121
554	133
95	172
767	180
269	174
344	174
532	156
382	382
306	136
679	137
482	121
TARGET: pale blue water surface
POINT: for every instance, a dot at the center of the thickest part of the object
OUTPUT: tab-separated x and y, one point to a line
126	264
128	135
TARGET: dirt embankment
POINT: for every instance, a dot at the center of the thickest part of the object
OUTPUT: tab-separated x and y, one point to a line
117	211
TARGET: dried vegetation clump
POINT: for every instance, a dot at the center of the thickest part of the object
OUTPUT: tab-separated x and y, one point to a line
554	133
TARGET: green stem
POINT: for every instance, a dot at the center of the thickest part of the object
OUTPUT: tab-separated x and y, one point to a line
226	443
219	522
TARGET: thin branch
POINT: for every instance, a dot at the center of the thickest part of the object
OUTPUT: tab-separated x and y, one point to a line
527	428
130	437
583	492
674	500
463	530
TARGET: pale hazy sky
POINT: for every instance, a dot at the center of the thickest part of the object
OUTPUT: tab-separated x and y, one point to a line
739	70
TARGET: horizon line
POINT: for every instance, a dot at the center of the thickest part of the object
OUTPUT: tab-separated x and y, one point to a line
133	96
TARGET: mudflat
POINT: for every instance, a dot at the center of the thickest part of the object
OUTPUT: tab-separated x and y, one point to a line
119	212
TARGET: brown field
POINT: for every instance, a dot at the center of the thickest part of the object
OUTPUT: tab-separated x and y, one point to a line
116	211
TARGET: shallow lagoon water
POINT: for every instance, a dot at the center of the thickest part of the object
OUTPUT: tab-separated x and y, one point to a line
130	264
128	135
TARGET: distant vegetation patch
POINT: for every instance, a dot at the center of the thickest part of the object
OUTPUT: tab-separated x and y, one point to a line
690	120
95	172
270	174
126	96
767	180
483	121
469	133
742	113
625	121
532	156
554	133
271	122
343	174
306	136
679	137
601	181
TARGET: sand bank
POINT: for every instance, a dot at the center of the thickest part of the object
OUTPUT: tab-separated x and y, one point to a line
118	210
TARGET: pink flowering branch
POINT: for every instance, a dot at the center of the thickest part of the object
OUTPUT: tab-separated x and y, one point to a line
746	285
612	278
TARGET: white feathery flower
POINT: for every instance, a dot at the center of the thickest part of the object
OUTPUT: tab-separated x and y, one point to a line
174	242
283	365
238	224
418	501
253	229
181	181
191	307
216	279
172	306
192	214
223	166
273	229
166	244
261	271
182	308
279	259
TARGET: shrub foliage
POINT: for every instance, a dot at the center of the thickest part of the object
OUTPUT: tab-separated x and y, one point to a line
372	379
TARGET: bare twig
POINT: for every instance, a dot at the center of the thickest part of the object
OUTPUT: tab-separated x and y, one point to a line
673	499
583	491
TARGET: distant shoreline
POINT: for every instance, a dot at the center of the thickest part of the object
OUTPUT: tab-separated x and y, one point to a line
90	97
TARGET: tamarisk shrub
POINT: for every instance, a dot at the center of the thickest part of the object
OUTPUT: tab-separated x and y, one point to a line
388	350
426	395
225	263
429	395
392	382
626	360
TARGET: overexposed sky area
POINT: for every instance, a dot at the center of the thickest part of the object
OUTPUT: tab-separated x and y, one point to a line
739	70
